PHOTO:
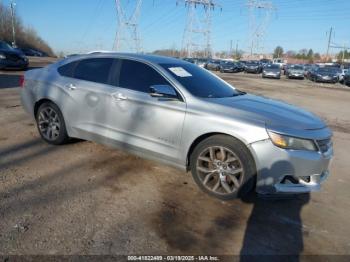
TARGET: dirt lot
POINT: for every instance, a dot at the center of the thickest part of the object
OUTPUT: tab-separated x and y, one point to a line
84	198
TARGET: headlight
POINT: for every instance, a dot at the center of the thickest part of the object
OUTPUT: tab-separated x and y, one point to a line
2	56
289	142
319	75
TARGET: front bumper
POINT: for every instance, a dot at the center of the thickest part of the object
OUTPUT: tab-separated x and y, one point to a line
327	79
229	70
296	75
271	75
252	70
289	171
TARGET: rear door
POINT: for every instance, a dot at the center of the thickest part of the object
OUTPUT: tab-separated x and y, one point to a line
87	89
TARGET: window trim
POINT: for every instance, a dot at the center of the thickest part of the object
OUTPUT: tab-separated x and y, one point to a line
168	79
78	61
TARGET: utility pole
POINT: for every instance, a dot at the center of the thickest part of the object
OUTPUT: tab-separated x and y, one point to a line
260	13
127	35
197	33
237	49
13	4
329	42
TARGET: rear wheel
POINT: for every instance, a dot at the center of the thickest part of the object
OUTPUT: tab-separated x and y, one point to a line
51	125
223	167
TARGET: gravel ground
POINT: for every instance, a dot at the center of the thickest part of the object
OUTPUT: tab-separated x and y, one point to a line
85	198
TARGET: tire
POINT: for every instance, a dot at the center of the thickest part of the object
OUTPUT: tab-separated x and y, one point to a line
215	184
49	117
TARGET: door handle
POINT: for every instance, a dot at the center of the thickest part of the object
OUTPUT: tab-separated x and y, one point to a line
71	87
119	97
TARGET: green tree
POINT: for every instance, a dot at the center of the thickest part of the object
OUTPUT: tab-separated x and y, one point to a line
278	52
317	56
310	55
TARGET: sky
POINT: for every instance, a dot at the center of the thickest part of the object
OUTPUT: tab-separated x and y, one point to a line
73	26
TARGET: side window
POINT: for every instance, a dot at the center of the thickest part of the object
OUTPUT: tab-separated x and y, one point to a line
139	77
67	69
94	70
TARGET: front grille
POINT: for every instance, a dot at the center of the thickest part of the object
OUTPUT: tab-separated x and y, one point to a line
324	144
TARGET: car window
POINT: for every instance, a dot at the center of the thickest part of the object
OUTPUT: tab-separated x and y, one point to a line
67	69
5	46
94	70
139	76
199	82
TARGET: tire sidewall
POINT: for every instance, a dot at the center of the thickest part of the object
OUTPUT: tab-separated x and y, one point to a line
63	137
241	152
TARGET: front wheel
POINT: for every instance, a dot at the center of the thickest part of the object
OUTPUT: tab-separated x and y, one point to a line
223	167
51	125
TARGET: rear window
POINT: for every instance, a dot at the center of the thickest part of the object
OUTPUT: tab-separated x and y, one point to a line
94	70
67	70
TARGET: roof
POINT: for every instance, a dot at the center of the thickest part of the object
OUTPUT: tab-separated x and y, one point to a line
156	59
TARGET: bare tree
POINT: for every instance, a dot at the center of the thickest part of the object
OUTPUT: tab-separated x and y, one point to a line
26	37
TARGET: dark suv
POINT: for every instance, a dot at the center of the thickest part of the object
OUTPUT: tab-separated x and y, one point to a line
254	67
12	58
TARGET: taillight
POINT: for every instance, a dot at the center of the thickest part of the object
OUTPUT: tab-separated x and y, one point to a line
21	81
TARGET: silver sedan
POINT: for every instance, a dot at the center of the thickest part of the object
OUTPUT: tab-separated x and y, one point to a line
176	112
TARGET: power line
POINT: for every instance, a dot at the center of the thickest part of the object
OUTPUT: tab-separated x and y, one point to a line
197	33
127	35
259	17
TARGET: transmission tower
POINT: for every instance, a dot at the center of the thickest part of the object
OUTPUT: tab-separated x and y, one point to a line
127	36
197	33
260	13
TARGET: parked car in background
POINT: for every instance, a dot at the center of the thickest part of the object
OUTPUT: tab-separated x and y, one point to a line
341	74
201	62
232	142
240	66
253	67
265	62
213	65
190	60
280	62
12	58
31	52
295	71
229	67
271	71
307	67
324	74
346	80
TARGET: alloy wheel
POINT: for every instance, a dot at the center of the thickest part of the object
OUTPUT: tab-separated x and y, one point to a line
220	170
49	123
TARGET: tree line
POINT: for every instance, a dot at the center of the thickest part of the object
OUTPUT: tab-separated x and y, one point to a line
303	54
26	37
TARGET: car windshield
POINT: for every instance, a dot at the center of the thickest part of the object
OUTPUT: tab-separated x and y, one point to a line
326	70
199	82
272	67
298	67
5	46
252	64
227	63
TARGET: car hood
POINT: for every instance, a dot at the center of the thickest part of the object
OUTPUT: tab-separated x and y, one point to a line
272	112
296	71
326	73
271	70
228	66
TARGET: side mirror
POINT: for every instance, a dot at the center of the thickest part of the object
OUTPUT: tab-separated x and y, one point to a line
163	91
